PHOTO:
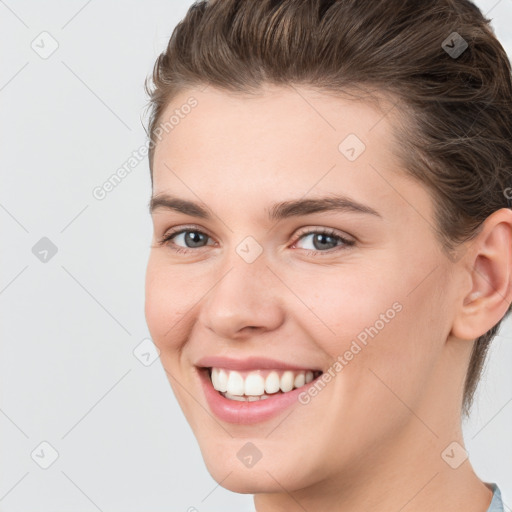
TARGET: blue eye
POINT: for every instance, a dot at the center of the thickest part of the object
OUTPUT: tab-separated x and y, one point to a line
195	239
321	238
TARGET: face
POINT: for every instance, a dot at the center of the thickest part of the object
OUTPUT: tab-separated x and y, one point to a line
307	254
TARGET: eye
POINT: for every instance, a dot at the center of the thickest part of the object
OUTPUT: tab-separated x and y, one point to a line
323	240
184	239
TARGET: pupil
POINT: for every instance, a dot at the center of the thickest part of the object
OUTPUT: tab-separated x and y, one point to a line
321	238
192	238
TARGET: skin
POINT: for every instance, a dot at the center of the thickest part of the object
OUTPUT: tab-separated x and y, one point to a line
376	432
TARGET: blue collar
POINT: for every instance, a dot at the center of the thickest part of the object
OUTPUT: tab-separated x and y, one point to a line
496	503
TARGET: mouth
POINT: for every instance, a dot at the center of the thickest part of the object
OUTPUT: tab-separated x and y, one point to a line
259	384
253	390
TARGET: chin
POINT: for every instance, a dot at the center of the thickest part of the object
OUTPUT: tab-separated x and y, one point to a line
268	475
247	481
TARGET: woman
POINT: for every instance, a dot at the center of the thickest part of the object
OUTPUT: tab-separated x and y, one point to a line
332	244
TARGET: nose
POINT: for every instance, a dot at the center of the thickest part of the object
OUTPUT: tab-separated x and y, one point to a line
244	300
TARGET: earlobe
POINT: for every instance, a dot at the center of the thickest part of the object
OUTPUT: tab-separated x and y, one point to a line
491	278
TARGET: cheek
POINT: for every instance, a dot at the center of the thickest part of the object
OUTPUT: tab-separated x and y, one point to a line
372	321
165	306
347	304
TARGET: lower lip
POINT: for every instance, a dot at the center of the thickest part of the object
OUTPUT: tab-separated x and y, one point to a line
245	413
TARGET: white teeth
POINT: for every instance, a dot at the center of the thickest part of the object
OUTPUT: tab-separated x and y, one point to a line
287	381
235	384
223	381
254	386
300	380
272	382
219	379
235	397
245	398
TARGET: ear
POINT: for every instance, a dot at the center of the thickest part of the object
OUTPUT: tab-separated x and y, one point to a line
488	264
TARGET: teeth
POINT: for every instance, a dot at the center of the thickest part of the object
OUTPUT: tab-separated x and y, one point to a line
245	398
272	382
254	386
300	380
219	379
287	381
235	397
235	384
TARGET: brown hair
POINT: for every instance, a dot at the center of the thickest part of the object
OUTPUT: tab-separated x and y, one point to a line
454	111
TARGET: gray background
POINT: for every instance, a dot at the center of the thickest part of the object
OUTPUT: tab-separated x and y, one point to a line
69	326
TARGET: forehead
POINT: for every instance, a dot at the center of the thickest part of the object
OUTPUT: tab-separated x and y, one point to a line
289	123
282	141
295	114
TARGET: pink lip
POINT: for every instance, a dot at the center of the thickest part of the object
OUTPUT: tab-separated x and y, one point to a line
251	363
245	413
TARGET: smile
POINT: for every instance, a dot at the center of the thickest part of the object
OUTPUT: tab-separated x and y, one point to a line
258	384
252	390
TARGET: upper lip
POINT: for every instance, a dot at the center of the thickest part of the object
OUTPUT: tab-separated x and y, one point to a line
250	363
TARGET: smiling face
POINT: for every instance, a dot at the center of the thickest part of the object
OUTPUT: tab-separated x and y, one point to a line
351	281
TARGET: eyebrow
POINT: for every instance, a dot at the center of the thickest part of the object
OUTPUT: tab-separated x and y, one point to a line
278	211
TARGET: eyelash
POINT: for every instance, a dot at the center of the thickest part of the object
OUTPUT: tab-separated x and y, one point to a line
166	240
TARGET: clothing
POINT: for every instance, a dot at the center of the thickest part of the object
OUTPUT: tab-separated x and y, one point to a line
496	503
